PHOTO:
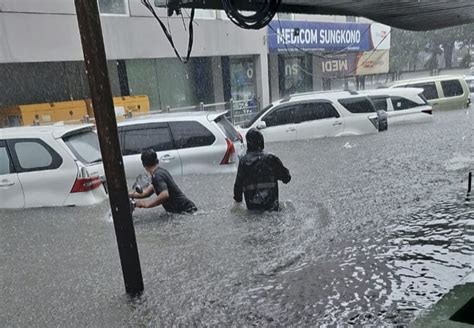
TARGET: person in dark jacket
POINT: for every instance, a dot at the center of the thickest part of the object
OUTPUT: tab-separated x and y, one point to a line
258	175
162	184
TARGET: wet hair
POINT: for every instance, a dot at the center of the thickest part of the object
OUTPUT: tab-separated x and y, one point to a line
149	158
255	140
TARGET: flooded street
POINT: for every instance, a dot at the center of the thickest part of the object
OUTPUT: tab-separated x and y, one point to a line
373	230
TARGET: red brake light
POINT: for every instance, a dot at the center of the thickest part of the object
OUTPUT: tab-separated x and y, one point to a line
228	154
239	136
86	184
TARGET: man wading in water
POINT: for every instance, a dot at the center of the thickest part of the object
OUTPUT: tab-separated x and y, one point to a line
258	175
162	183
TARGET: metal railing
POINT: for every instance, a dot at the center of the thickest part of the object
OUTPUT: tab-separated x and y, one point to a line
239	111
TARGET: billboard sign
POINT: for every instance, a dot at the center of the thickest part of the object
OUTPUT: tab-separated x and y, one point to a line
323	36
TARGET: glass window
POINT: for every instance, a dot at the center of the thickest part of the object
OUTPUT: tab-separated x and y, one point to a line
33	155
158	139
113	7
191	134
280	116
380	103
85	146
452	88
430	91
5	166
400	103
317	111
357	105
227	128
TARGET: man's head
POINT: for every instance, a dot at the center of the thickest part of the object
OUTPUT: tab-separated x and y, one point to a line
149	159
255	140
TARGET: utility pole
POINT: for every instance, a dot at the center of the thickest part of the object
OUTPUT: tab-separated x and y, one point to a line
92	40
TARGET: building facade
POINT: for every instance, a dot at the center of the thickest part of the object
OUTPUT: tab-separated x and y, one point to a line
41	56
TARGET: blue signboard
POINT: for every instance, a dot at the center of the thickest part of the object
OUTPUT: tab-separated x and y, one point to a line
318	36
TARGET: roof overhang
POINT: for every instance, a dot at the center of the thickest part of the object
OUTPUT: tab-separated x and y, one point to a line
405	14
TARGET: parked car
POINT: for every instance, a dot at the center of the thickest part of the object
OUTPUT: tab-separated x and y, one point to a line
50	166
442	92
470	83
318	115
186	143
403	105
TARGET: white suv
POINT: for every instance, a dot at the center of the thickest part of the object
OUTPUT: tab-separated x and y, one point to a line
403	105
186	143
50	166
318	115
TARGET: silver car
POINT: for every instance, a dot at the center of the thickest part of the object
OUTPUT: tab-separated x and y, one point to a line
186	143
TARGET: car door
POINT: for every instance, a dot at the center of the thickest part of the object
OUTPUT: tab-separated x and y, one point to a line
11	192
197	147
431	93
318	120
453	95
46	175
156	136
280	124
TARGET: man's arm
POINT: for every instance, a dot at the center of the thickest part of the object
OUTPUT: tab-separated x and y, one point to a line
282	173
162	197
239	184
147	192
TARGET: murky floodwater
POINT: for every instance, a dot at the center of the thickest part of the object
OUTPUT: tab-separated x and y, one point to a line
373	230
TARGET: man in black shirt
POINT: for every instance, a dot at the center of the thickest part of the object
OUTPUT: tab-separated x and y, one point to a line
258	175
162	183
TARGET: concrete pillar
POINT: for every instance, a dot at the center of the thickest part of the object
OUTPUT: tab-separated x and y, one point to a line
263	89
317	82
217	80
274	80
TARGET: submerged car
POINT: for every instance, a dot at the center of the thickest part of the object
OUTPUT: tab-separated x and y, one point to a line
186	143
403	105
50	166
318	115
441	92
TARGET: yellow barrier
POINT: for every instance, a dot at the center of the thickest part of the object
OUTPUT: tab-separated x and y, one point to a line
72	111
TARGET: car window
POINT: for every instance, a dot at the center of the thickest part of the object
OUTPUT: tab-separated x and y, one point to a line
190	134
256	117
430	92
380	103
400	103
452	88
357	105
316	111
85	146
471	85
158	139
227	128
5	164
34	155
280	116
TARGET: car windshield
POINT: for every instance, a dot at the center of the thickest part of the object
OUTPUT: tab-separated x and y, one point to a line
85	146
255	119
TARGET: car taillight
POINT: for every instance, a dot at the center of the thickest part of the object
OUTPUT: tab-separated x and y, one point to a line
427	111
228	157
84	182
239	136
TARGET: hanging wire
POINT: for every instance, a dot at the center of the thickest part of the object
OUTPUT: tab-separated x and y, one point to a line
262	17
168	35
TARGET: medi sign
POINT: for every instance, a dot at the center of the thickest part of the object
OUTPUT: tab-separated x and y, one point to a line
319	36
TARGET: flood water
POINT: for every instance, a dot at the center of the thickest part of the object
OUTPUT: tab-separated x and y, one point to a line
374	229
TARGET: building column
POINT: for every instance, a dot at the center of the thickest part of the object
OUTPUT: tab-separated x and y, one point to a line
274	81
262	79
217	79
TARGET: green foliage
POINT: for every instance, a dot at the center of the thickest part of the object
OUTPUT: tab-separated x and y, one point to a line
407	45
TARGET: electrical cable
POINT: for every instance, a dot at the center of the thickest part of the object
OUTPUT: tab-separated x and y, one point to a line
168	35
262	17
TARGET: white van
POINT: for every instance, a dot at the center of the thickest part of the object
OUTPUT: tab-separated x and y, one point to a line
442	92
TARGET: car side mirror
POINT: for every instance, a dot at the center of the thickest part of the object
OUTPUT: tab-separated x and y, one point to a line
262	125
